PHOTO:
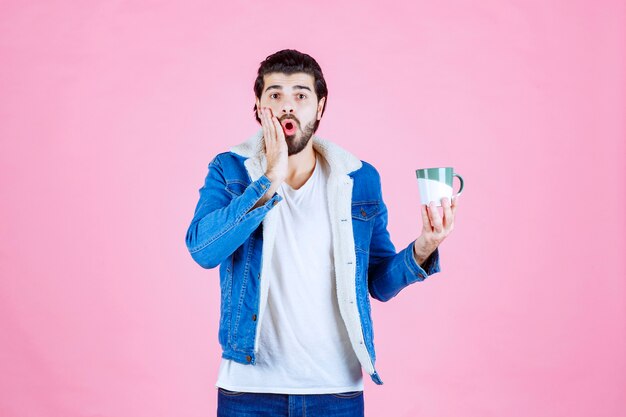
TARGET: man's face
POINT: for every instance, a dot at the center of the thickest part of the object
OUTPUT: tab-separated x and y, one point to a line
292	97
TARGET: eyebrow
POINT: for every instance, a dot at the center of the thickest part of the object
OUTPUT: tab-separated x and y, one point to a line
296	87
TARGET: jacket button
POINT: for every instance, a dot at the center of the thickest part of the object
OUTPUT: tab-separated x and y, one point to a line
254	317
248	358
275	202
363	213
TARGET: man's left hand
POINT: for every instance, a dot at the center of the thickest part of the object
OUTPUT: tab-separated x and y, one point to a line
434	228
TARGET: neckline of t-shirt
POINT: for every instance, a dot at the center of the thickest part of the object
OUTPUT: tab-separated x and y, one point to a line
288	188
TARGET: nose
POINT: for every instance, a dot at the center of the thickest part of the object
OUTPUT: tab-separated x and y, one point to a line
287	107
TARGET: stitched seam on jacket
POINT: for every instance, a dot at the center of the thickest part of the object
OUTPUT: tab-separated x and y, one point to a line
243	291
409	264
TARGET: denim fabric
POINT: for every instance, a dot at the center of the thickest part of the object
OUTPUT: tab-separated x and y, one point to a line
225	231
248	404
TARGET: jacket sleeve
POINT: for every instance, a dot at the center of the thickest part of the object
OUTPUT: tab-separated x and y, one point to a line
223	221
389	272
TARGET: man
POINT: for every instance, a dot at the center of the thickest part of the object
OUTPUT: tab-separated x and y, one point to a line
299	228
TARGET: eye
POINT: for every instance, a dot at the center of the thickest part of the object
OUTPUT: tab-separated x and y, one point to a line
302	95
273	94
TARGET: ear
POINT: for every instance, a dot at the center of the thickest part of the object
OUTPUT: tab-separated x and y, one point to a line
258	107
320	107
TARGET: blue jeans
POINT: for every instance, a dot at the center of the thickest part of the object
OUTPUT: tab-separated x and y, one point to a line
252	404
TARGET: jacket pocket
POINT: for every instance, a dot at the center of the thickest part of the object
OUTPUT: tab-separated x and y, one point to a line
363	214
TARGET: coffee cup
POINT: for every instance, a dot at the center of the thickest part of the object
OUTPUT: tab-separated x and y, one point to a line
436	183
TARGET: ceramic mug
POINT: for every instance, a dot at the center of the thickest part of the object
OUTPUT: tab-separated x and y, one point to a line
436	183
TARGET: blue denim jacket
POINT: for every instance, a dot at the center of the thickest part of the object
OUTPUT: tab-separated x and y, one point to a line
225	231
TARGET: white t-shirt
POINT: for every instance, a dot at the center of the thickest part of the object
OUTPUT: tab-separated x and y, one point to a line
303	343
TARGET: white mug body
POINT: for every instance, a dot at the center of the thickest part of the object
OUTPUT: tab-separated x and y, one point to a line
433	190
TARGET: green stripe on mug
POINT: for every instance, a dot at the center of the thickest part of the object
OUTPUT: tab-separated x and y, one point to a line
440	174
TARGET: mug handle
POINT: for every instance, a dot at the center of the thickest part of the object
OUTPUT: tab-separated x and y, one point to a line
461	188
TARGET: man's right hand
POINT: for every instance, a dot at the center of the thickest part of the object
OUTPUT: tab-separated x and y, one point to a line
275	146
276	153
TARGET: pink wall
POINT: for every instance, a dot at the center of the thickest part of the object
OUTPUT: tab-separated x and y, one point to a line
110	113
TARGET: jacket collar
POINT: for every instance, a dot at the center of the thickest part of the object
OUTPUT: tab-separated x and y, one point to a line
341	161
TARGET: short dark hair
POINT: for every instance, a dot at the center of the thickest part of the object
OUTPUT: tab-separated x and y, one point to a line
290	61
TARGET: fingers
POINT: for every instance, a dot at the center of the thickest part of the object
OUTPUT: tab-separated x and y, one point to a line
435	217
270	124
272	129
265	124
448	217
425	219
280	135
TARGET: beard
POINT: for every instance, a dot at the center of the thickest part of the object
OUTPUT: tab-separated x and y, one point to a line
296	145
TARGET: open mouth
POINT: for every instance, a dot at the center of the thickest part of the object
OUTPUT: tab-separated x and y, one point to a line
289	127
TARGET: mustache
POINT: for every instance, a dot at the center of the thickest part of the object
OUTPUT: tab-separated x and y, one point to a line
289	117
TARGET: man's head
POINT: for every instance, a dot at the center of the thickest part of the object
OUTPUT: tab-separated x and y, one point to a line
292	85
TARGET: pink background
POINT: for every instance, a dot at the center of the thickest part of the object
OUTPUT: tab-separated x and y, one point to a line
110	112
